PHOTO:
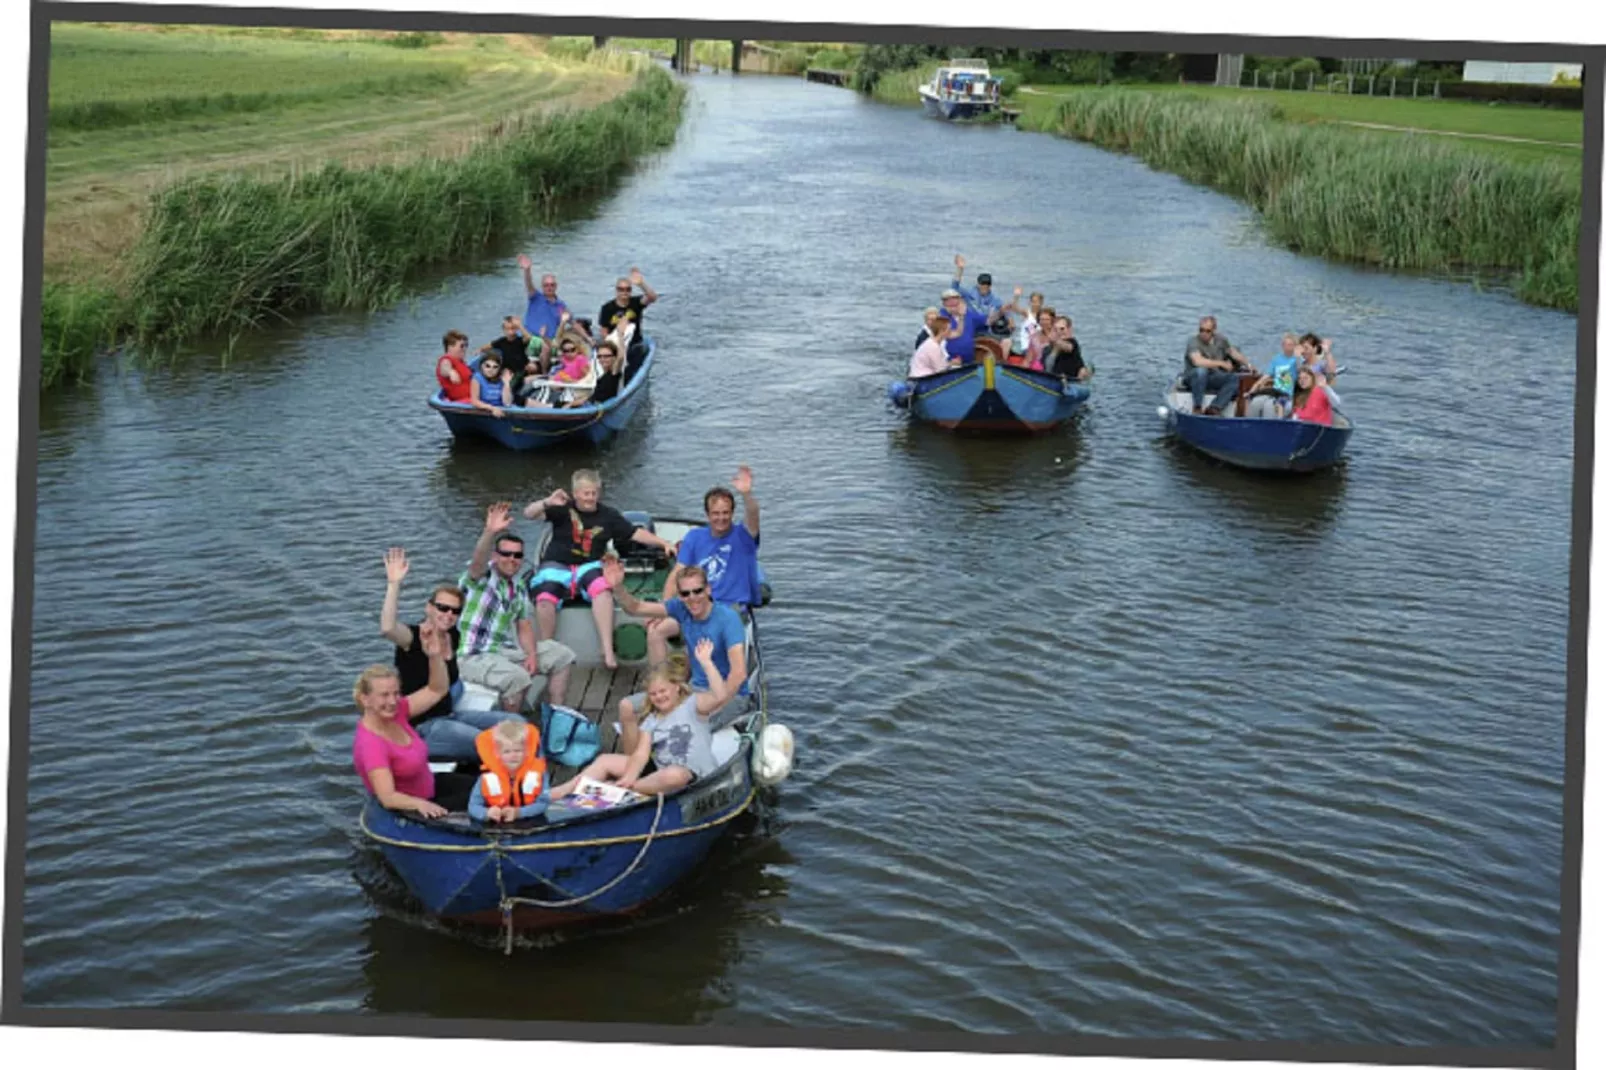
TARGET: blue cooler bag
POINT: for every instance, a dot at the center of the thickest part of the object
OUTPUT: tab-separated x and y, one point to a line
567	737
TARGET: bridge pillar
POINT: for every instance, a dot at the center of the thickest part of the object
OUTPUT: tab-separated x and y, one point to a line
736	57
599	42
683	60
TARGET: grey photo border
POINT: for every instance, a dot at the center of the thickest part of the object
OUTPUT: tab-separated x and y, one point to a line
1563	1056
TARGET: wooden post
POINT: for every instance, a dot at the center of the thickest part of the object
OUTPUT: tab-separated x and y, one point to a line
1257	86
599	42
736	57
1392	80
1413	88
1350	86
1310	80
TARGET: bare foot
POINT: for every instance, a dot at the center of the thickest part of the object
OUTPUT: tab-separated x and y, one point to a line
609	660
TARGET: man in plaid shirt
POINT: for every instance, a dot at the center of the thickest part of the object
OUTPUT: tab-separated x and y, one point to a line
498	649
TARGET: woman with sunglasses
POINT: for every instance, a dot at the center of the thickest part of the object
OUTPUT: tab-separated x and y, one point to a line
492	385
448	734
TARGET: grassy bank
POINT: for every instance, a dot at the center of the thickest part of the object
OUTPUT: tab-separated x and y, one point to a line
271	106
1547	133
225	254
1351	194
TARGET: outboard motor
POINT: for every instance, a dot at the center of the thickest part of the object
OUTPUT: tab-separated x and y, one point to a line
899	392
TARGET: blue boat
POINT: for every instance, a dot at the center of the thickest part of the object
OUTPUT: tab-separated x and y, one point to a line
1258	443
990	395
534	429
574	864
964	89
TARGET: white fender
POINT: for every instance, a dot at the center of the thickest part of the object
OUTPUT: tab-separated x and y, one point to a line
772	758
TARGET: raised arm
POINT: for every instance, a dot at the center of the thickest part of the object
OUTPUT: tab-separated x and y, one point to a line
557	499
674	578
498	518
719	689
433	644
444	367
614	572
648	538
743	485
648	294
525	264
395	572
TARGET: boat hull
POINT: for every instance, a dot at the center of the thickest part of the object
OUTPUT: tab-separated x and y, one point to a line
615	861
534	429
992	396
1260	444
952	109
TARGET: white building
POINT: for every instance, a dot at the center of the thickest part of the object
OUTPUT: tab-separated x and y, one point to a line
1488	70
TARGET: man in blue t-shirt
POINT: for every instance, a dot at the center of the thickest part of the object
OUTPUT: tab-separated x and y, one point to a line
699	617
724	550
982	299
545	313
964	322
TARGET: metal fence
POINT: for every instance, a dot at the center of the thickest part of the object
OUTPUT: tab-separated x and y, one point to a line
1365	84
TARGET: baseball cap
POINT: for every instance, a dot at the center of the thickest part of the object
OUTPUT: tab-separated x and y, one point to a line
984	279
950	292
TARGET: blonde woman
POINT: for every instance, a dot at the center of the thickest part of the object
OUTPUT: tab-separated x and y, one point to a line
674	745
388	753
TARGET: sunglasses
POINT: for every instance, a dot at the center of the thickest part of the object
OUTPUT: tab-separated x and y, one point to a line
684	593
517	555
621	289
446	609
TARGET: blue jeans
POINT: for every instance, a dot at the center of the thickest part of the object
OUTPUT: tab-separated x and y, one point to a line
451	739
1224	384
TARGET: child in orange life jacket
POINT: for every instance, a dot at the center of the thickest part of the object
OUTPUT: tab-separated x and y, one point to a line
512	784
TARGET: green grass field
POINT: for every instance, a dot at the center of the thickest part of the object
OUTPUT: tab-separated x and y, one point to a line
136	110
1486	121
155	105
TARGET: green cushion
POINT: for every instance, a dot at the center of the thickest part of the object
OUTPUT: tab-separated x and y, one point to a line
630	642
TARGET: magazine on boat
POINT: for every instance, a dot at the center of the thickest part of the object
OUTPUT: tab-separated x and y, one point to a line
591	794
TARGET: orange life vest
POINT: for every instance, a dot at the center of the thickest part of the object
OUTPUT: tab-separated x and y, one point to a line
523	786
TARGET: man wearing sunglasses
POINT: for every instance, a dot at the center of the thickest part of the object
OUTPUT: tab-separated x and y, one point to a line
449	734
628	306
699	617
499	649
1211	364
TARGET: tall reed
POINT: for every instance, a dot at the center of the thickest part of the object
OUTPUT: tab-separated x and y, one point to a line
1398	202
226	254
77	322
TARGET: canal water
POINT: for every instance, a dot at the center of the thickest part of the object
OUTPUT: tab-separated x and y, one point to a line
1095	736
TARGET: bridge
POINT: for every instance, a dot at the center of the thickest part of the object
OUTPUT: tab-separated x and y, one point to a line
684	59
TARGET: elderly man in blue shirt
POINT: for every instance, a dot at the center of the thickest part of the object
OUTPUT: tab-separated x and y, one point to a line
982	298
545	313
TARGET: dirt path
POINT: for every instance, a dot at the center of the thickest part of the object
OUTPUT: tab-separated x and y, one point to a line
97	186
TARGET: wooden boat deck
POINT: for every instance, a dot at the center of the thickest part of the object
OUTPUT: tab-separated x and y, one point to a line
595	691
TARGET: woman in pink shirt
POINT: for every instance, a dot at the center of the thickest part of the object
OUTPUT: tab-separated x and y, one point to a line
390	757
932	356
1311	402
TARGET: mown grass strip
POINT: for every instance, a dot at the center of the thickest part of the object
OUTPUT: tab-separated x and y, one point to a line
109	114
225	254
1351	194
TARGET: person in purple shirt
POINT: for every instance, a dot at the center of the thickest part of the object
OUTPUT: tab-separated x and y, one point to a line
545	313
964	322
